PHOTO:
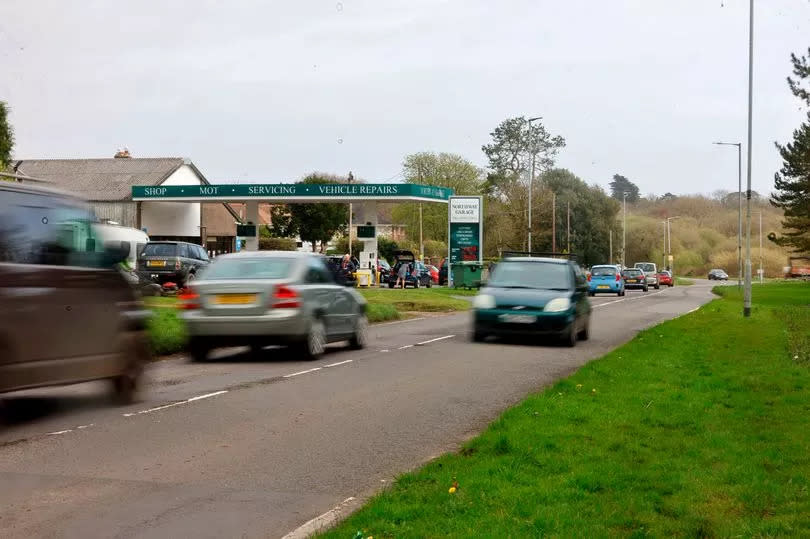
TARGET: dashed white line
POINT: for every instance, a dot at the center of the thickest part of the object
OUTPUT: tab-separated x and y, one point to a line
339	363
398	322
435	340
301	372
629	299
385	350
60	432
404	347
192	399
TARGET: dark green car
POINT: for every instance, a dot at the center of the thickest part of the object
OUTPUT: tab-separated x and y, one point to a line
534	297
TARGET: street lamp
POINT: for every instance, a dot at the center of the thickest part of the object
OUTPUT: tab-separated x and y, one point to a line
747	290
624	229
531	178
761	270
739	209
669	242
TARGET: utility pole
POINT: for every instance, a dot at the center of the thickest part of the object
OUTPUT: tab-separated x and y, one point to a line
568	227
761	270
553	222
747	290
739	207
421	243
610	256
349	181
624	230
531	179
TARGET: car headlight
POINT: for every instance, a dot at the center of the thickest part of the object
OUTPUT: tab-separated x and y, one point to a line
484	301
557	305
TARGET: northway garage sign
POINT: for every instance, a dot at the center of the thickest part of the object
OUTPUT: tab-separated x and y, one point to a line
293	191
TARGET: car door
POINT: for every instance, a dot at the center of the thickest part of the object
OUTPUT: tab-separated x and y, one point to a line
318	293
343	307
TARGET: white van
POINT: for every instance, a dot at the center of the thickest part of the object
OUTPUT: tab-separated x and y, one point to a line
133	239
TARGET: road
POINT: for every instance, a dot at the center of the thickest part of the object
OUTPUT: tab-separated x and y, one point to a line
249	447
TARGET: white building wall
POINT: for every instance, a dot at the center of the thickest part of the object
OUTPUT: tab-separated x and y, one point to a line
173	218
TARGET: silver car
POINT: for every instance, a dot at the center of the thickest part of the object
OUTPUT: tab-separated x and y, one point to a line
271	297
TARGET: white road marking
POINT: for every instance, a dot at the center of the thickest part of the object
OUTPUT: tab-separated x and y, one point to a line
396	322
404	347
60	432
628	299
339	363
385	350
693	310
192	399
321	522
301	372
434	340
84	426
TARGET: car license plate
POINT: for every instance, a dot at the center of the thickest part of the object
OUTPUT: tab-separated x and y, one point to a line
155	263
234	299
632	281
518	318
602	287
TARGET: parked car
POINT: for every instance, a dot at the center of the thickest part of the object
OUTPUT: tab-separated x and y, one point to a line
718	275
650	272
262	298
665	278
605	279
129	239
434	274
417	274
383	270
443	270
634	278
342	275
67	314
532	296
172	261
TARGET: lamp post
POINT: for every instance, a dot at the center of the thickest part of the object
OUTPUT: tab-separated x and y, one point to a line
669	242
739	207
624	229
747	289
531	179
761	270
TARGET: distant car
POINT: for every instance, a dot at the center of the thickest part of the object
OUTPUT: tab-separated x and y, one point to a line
67	314
417	274
718	275
443	272
261	298
605	280
651	273
536	297
635	279
383	270
172	261
434	274
665	278
342	275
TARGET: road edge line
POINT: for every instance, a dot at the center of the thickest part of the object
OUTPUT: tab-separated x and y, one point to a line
322	521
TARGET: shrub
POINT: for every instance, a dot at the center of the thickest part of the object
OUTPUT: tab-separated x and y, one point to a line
277	244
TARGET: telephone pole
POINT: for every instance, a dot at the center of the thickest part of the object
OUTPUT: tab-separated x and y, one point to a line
747	289
553	223
531	179
568	227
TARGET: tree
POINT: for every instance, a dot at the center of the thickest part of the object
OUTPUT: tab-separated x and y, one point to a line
793	179
514	144
437	169
315	223
6	136
621	185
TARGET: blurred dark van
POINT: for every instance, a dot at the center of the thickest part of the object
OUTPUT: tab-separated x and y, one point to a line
67	314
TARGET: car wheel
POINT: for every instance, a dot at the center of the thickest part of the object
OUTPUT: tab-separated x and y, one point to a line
198	350
478	336
127	384
646	289
430	283
360	336
569	338
315	342
416	284
658	287
189	279
591	294
391	284
585	332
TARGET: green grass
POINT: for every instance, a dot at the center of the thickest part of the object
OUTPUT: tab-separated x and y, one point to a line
681	281
167	332
420	300
170	302
382	313
699	427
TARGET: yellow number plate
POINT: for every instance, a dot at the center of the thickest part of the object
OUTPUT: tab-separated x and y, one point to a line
155	263
235	299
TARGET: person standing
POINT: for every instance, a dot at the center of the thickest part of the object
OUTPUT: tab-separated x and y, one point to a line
402	273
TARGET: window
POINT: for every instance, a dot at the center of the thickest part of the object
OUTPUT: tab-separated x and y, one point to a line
160	249
248	268
520	274
201	254
317	273
45	229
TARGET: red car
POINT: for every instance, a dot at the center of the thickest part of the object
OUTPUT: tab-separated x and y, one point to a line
665	278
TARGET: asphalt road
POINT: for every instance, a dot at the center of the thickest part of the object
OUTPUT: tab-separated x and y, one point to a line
254	447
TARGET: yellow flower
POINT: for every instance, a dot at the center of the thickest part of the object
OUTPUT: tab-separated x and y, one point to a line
593	390
579	386
452	490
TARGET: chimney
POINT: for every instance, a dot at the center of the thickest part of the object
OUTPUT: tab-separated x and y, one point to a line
122	153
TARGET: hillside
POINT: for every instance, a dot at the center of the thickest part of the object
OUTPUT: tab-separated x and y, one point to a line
704	236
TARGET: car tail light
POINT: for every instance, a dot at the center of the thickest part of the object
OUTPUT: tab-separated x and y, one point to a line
285	297
589	277
189	299
618	277
177	264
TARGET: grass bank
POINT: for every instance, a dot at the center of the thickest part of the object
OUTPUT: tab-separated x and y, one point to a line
682	281
697	428
427	300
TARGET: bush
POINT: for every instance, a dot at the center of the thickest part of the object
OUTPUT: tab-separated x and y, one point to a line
277	244
386	248
435	249
342	246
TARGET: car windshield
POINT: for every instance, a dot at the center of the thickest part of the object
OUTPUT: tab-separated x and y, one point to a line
248	268
160	249
603	271
631	273
545	275
646	267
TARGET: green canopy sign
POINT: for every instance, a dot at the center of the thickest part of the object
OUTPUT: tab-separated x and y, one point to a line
296	191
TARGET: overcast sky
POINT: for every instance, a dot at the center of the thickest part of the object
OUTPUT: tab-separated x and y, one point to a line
263	91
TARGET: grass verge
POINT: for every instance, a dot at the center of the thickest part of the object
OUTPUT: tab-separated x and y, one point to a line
167	332
420	300
682	281
696	428
382	313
